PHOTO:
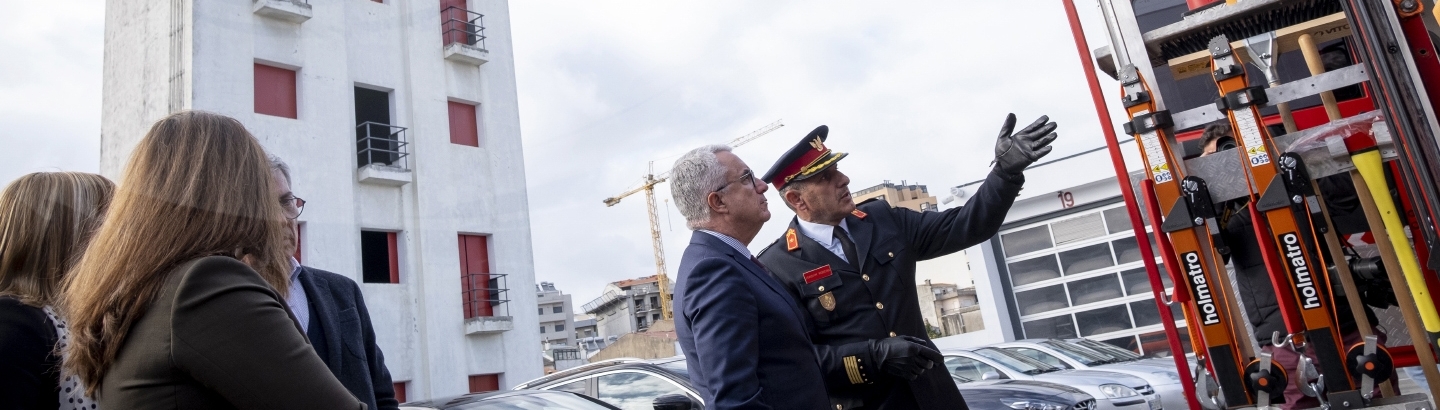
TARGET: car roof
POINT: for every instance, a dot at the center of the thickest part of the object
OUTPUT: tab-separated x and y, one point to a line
456	401
577	370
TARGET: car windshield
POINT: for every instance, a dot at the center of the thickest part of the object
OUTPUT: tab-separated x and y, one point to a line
1110	349
1015	362
959	379
535	401
1080	354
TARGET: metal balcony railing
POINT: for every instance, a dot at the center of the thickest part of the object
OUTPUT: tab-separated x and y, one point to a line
483	293
459	25
603	300
378	143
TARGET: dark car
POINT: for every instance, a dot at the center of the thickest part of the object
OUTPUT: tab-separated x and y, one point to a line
511	400
634	384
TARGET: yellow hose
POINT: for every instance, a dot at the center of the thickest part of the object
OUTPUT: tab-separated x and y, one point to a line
1368	163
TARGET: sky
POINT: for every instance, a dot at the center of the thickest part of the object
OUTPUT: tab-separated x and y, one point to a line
915	91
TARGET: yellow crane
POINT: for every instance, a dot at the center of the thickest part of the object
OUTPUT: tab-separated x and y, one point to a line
650	180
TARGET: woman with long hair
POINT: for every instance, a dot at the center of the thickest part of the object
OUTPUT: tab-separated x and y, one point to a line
45	220
176	303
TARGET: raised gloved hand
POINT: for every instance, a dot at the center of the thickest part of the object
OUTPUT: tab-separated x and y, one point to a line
904	356
1015	152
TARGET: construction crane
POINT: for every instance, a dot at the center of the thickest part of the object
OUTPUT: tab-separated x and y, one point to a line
648	185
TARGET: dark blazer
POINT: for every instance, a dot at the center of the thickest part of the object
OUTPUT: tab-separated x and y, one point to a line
216	336
347	342
29	369
852	306
744	338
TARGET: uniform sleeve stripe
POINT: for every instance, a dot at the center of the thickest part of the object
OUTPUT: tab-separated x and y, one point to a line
851	368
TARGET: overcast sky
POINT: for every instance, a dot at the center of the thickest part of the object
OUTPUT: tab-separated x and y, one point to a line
914	91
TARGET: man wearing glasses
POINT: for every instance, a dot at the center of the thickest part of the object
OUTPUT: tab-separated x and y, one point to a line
332	311
852	268
744	337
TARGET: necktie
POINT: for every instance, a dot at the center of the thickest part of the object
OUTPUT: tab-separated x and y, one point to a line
846	245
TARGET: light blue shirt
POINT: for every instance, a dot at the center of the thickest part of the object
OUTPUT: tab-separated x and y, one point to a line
825	236
299	303
734	243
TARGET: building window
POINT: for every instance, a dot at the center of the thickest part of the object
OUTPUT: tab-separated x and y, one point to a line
542	310
275	91
560	328
375	136
400	394
542	329
379	257
655	317
481	290
464	124
480	383
558	309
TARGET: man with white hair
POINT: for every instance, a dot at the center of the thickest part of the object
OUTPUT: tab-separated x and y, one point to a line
745	339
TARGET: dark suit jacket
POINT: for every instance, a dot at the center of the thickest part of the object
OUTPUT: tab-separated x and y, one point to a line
853	306
744	338
29	369
348	344
216	336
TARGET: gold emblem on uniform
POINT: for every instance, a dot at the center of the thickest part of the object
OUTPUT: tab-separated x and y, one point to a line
817	144
791	241
827	301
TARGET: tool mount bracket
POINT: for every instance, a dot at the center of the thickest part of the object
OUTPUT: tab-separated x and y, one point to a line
1148	122
1242	98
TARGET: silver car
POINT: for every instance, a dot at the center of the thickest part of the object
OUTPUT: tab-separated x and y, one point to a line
1112	391
1066	355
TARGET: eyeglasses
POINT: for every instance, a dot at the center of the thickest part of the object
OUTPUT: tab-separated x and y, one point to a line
292	205
748	178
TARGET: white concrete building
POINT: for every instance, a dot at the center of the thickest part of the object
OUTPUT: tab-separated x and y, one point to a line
557	316
399	121
626	306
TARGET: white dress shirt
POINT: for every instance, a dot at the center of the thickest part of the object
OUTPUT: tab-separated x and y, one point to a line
825	236
299	303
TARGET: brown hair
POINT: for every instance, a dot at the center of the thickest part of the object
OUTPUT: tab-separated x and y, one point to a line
1215	131
46	218
197	185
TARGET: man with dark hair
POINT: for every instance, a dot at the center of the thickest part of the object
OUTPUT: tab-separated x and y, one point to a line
332	311
852	268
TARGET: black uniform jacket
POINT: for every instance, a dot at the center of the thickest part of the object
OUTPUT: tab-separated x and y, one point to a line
850	308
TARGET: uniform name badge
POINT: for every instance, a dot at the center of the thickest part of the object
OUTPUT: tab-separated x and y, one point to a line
827	301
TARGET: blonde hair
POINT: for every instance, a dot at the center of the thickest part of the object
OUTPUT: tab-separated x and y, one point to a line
46	218
197	185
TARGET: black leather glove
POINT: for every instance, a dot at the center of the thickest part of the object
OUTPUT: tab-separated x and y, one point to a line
904	356
1015	152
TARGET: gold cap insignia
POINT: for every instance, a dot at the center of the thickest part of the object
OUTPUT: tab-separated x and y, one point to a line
818	144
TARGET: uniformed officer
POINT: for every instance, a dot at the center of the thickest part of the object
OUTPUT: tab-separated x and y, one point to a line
852	268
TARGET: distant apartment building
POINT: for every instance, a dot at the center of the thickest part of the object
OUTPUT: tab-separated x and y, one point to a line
904	195
400	122
557	315
626	306
949	309
585	327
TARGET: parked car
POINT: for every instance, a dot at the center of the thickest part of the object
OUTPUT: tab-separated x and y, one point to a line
509	400
1129	356
1112	391
1059	353
634	384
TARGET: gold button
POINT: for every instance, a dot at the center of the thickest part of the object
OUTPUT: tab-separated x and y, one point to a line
891	254
865	277
879	305
892	334
822	288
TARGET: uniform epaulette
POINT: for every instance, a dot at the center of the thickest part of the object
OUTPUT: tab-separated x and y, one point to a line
792	241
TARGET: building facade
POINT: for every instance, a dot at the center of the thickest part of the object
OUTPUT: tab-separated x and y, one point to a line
949	309
399	121
904	195
557	316
626	306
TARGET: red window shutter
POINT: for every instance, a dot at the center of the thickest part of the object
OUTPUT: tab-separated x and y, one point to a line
475	275
480	383
464	124
275	91
453	21
400	392
299	235
393	240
